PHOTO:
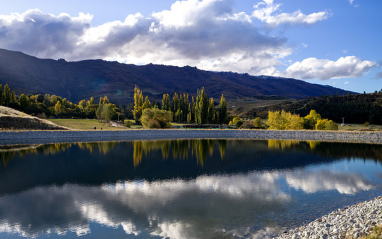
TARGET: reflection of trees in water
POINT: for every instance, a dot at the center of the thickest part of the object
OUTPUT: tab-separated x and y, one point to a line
282	144
180	149
200	149
5	156
327	149
51	149
287	144
222	147
103	147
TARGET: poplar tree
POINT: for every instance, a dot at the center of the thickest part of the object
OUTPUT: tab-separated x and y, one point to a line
223	115
106	100
58	108
166	102
92	102
23	101
147	104
175	106
138	103
201	107
211	111
7	94
189	115
193	105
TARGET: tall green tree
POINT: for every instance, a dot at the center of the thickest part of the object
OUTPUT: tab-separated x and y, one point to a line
201	108
23	101
58	108
138	104
223	115
92	102
13	97
146	104
7	94
166	102
211	111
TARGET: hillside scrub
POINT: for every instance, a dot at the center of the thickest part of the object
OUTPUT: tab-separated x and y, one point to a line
355	108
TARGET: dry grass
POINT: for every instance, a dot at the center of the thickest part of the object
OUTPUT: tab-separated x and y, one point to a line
11	119
359	127
87	124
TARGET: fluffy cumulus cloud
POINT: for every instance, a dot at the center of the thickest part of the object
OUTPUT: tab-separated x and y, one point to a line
42	34
324	69
208	34
267	12
203	33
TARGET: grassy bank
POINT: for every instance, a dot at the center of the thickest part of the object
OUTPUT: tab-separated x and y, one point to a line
87	124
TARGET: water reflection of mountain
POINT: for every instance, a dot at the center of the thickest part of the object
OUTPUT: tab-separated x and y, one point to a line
97	163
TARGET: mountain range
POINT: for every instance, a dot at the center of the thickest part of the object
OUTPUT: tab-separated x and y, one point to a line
83	79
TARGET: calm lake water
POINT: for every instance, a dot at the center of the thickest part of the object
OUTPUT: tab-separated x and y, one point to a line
180	188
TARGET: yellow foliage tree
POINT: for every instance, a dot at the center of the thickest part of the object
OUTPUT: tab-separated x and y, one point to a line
58	108
325	124
311	119
138	104
284	120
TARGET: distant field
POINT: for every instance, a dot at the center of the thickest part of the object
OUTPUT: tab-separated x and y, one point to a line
241	107
86	124
359	127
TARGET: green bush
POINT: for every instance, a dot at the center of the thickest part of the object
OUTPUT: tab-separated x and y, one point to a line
153	124
258	123
155	118
127	123
325	124
246	125
237	121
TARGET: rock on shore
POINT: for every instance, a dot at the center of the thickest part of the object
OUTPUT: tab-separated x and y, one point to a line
353	221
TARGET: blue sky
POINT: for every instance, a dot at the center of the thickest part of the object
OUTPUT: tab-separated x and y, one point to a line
337	43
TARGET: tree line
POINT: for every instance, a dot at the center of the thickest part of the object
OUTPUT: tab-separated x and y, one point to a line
44	106
179	108
355	108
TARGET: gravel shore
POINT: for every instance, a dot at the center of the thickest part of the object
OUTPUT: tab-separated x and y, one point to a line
30	137
354	221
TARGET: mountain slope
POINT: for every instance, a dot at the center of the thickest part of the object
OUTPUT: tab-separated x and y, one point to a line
83	79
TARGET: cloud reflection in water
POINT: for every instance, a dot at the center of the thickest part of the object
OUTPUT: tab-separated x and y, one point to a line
169	209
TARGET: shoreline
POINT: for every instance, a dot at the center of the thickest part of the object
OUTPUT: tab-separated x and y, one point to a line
48	136
348	222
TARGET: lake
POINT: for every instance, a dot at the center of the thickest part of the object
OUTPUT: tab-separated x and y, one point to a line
180	188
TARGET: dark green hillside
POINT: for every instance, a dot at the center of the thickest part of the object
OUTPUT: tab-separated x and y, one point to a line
83	79
356	108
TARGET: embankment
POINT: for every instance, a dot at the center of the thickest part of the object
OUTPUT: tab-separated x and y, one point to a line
28	137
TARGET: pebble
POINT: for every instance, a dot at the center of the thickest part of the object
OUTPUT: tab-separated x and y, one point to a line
353	221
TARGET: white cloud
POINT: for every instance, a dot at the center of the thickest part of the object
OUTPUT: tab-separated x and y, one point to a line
157	207
203	33
351	1
324	69
265	11
324	181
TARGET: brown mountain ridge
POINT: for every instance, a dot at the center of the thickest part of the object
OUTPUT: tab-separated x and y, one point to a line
83	79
